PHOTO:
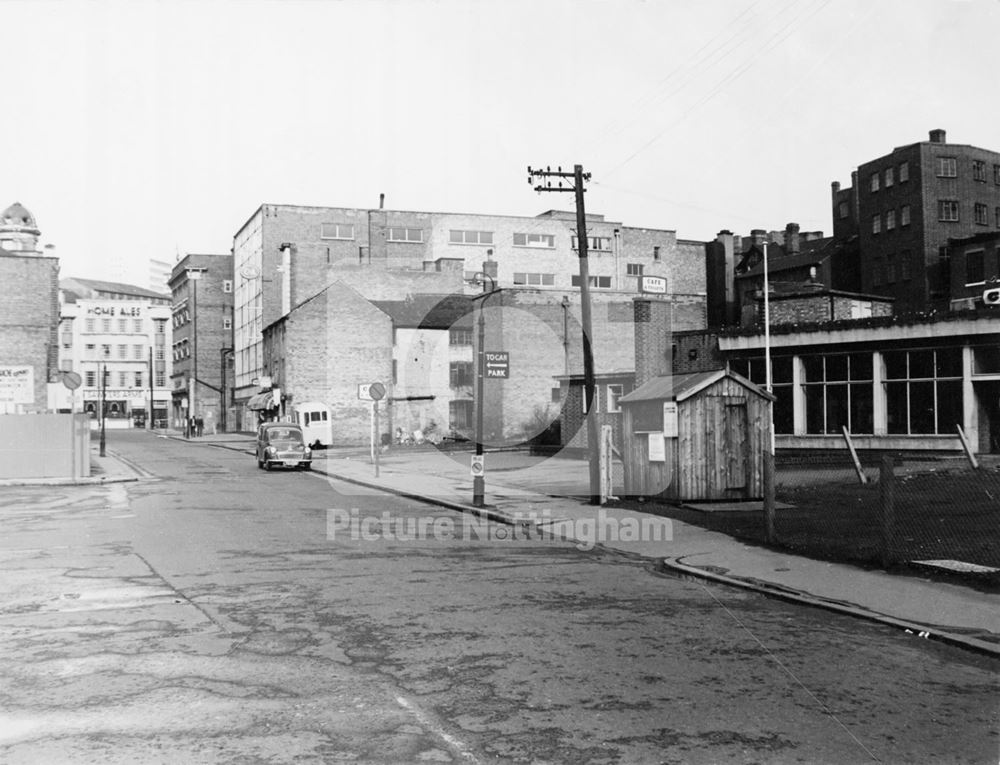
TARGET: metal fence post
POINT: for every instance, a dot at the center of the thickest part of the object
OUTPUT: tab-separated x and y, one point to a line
768	476
887	499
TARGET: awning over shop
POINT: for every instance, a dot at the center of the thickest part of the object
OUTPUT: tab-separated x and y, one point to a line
261	401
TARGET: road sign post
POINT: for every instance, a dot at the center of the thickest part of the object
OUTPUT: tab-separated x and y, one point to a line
376	392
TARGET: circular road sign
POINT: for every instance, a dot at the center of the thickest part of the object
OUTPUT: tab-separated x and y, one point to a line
377	391
71	380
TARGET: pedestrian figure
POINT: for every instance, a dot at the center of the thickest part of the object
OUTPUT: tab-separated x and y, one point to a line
199	425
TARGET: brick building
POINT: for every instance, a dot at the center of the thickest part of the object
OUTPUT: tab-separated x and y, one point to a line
974	264
285	254
29	316
201	287
122	331
906	205
735	268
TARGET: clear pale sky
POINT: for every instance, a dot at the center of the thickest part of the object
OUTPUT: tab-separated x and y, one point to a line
137	130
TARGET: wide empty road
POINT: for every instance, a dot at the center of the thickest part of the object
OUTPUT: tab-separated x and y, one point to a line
218	613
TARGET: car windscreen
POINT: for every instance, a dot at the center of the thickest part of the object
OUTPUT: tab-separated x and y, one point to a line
284	435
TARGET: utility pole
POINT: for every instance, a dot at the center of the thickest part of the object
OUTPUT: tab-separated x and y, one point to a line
589	388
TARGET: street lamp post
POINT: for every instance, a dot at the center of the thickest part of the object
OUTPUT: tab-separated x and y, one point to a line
479	480
104	403
224	353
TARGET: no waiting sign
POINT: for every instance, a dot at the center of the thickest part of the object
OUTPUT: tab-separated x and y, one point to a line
497	364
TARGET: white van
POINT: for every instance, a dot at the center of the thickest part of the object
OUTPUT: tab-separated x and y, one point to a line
314	417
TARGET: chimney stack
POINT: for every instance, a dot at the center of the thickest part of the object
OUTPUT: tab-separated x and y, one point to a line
937	136
792	239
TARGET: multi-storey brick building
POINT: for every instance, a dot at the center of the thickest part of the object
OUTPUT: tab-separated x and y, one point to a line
906	205
284	255
201	286
115	336
29	315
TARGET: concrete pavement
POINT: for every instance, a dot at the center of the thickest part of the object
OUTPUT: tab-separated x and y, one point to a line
549	497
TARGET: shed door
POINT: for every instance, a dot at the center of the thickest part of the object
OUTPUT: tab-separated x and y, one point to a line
737	442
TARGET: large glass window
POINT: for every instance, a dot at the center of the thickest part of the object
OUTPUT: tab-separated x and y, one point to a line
839	393
923	391
781	386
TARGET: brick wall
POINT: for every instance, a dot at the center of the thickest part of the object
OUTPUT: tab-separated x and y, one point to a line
333	343
696	352
29	319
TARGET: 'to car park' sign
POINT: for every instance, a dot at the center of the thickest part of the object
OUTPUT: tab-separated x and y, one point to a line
497	364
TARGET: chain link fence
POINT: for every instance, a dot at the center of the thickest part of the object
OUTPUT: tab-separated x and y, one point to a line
938	517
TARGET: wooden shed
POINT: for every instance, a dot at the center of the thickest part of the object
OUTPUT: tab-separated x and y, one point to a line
699	436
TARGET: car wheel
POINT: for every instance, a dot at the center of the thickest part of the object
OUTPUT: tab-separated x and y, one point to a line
267	465
307	466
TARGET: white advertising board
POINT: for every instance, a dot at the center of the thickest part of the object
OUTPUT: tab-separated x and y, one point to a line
17	385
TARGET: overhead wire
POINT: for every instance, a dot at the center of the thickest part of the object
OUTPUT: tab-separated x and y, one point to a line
696	62
776	39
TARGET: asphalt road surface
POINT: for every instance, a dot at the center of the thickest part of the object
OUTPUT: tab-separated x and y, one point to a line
218	613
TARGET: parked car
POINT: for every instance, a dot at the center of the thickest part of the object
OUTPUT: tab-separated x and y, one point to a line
282	443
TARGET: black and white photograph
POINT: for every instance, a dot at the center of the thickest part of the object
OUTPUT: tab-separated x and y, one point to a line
500	381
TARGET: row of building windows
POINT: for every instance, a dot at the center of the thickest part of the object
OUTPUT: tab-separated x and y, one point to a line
887	177
137	379
90	351
947	167
922	390
345	231
949	211
113	326
890	219
895	268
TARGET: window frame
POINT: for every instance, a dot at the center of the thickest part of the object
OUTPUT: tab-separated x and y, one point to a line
980	258
594	243
337	236
543	241
481	239
947	167
981	214
949	205
393	236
